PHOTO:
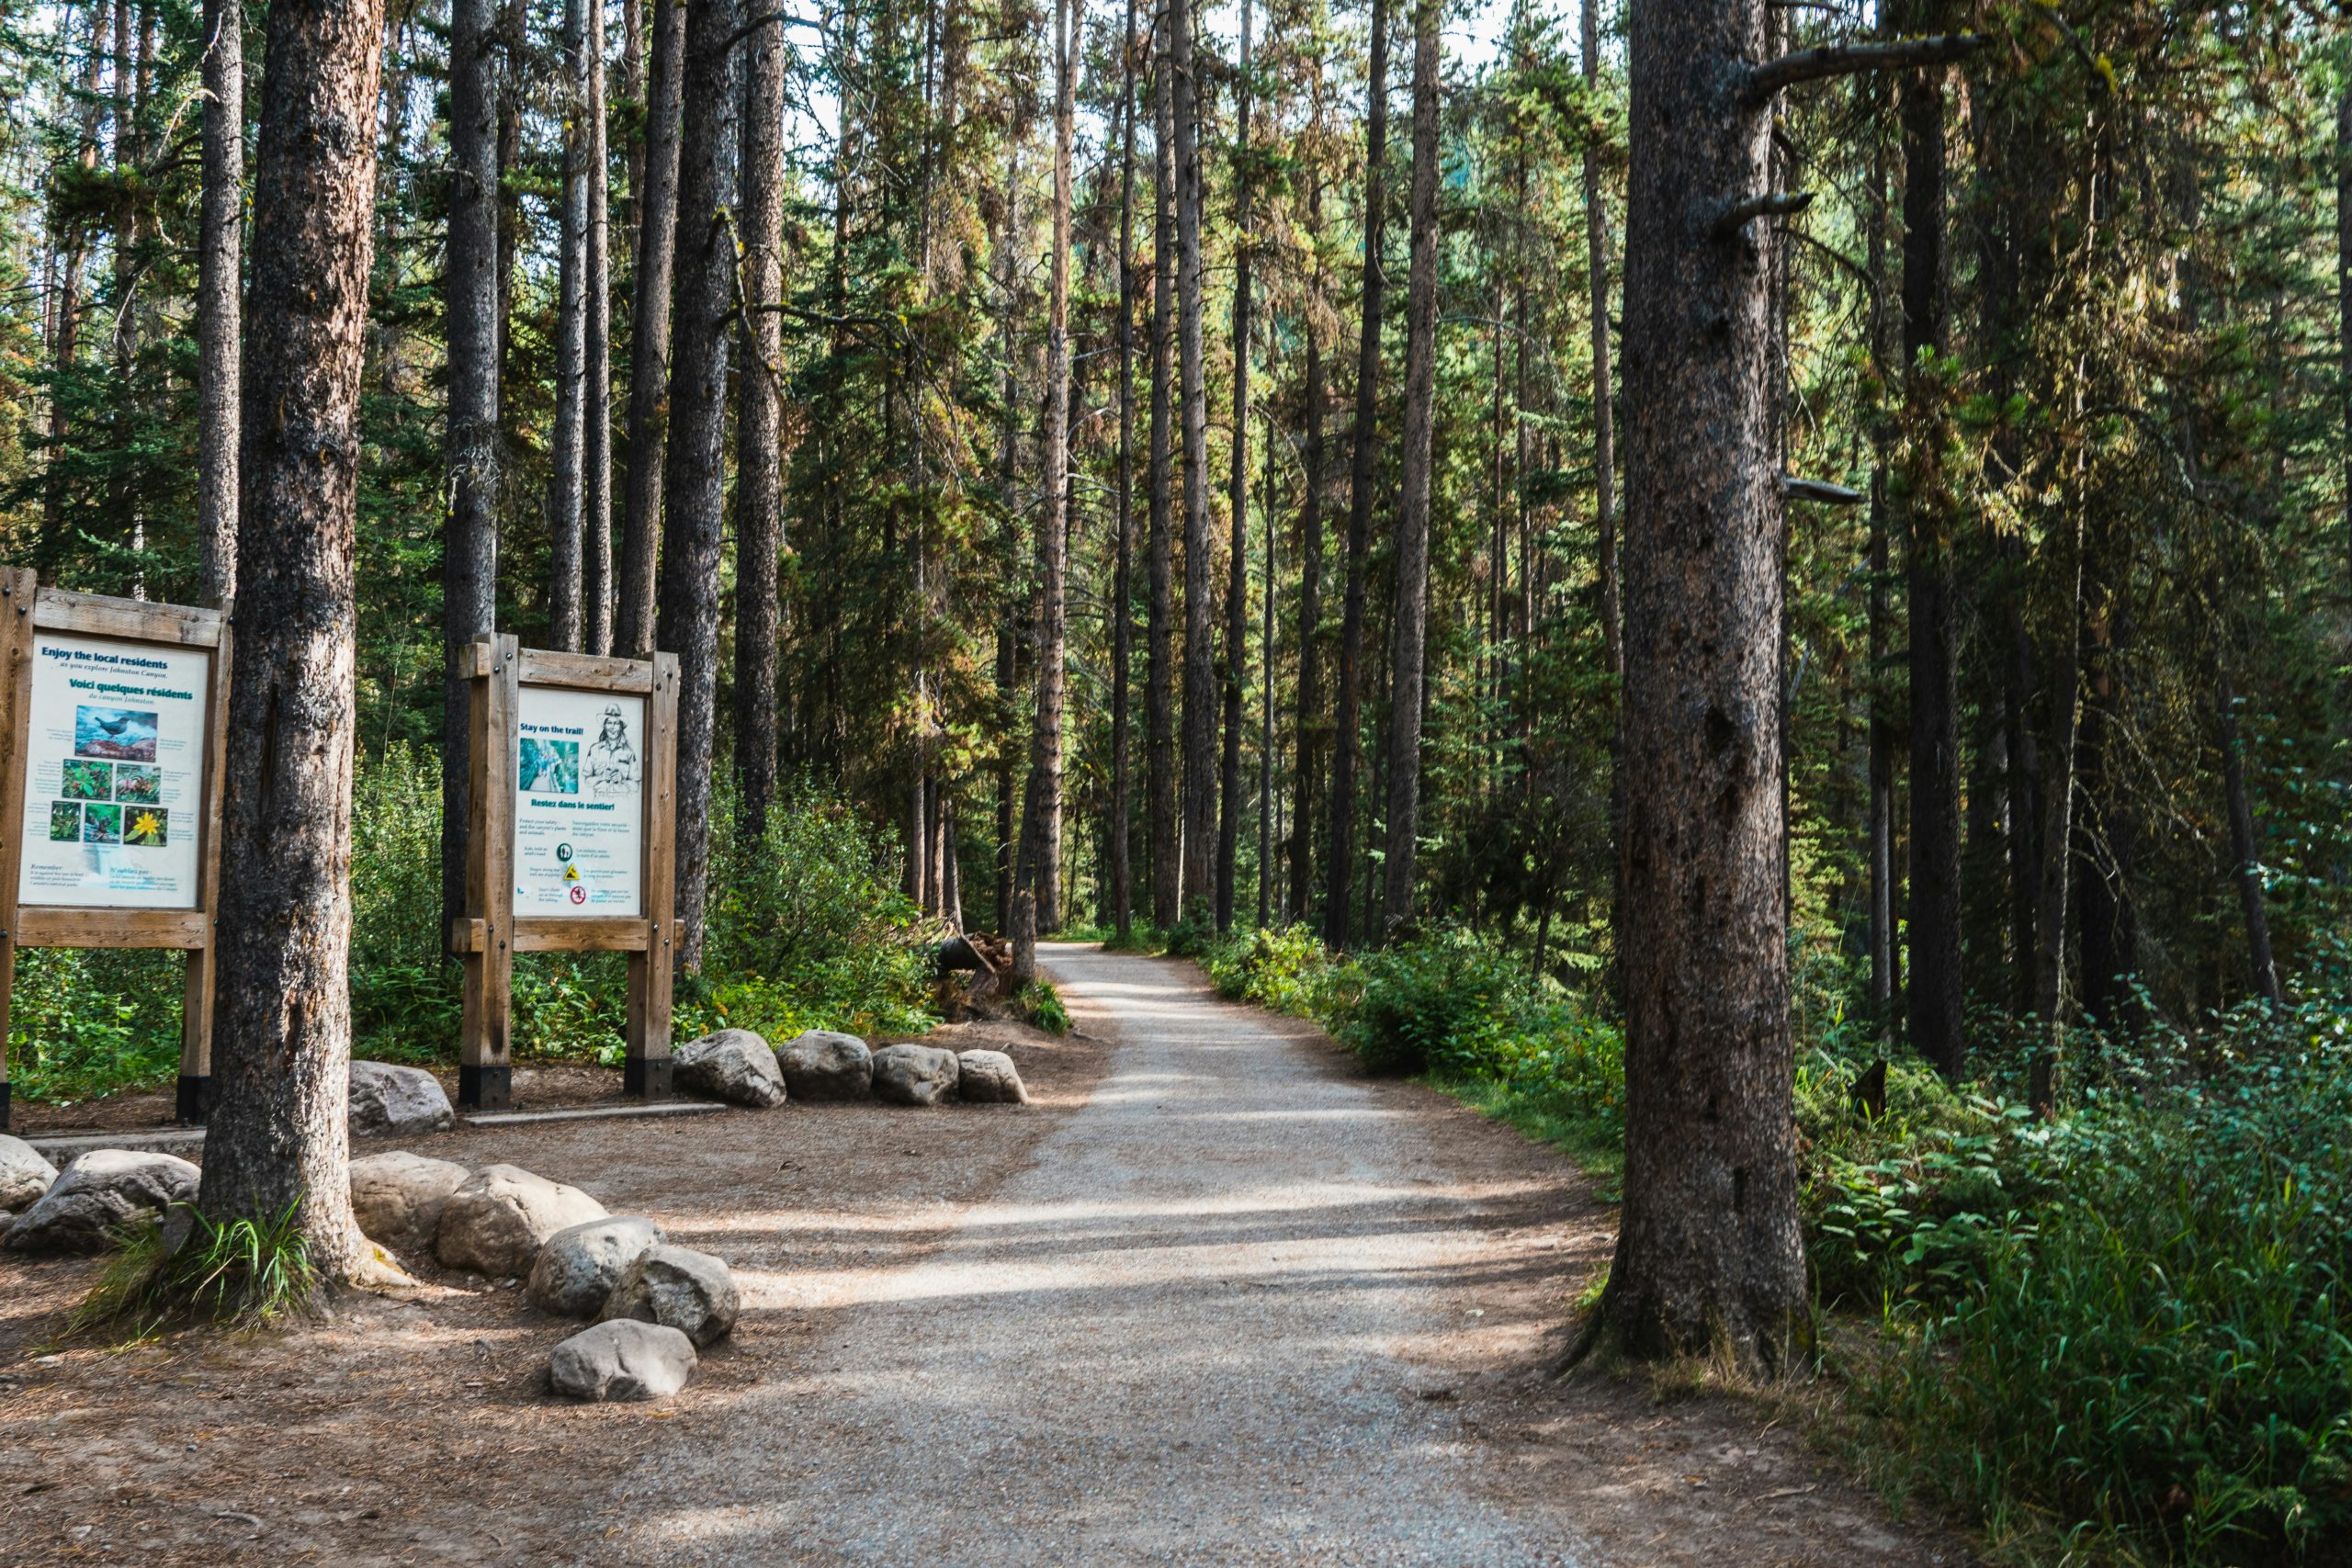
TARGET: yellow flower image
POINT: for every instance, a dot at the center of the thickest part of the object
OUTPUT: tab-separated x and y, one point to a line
148	828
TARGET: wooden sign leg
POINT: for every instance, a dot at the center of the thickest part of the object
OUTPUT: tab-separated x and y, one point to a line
196	1038
17	588
485	1074
646	1070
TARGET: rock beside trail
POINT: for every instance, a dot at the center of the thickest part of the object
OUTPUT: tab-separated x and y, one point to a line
391	1100
733	1064
497	1221
691	1292
624	1360
914	1075
23	1174
399	1197
578	1266
989	1077
100	1193
822	1064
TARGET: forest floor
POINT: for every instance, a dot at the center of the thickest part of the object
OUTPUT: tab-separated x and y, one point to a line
1215	1298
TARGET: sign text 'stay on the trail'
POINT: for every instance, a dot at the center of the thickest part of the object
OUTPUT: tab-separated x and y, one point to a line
578	802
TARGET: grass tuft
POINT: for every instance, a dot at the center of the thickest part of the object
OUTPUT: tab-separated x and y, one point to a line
232	1273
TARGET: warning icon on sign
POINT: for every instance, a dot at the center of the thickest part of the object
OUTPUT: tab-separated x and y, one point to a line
571	874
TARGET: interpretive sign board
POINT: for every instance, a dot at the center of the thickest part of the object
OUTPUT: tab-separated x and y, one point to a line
110	810
572	795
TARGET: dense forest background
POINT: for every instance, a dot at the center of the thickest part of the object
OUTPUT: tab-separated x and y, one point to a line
1163	465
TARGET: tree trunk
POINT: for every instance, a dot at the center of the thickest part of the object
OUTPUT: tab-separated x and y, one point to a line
1310	721
2247	871
1039	867
1122	588
219	246
759	462
1882	735
1363	463
567	447
1604	419
1709	1258
1200	672
692	491
1237	582
278	1142
596	444
1936	997
1160	673
649	347
469	550
1409	638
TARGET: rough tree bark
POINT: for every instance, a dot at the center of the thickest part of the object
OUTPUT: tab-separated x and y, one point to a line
278	1140
1159	667
694	482
1122	874
1038	869
1311	724
1200	653
1363	463
469	549
1237	582
649	347
1708	1258
759	462
1935	995
1409	637
567	446
219	236
596	409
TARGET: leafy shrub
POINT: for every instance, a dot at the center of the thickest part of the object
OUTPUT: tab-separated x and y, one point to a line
1040	1004
1446	1003
83	1022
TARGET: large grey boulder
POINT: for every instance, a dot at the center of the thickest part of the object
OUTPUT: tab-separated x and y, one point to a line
690	1291
989	1077
578	1266
98	1194
622	1362
24	1175
399	1197
497	1221
822	1065
914	1075
733	1064
391	1100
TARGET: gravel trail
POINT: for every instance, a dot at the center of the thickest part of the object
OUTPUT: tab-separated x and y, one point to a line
1186	1333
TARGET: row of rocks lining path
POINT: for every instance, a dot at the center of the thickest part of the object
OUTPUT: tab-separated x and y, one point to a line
1216	1299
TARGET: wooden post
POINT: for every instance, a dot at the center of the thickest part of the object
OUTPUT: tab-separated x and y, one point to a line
195	1012
17	590
485	1074
646	1070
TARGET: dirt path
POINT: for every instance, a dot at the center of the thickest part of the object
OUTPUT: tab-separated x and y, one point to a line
1219	1301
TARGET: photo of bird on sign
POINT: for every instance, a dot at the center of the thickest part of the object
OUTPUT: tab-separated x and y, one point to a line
126	735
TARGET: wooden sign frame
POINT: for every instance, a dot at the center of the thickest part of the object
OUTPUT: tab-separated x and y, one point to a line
26	609
490	933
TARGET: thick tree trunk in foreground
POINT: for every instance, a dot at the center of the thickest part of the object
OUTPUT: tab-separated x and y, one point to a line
759	463
1409	639
1160	664
277	1139
220	237
1935	995
1122	876
470	548
1709	1259
1039	867
692	491
1338	896
648	348
1200	651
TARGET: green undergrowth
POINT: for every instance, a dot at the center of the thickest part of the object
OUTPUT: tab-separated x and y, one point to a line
2119	1333
804	930
242	1273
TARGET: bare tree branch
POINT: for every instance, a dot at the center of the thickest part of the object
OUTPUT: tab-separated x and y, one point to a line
1850	59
